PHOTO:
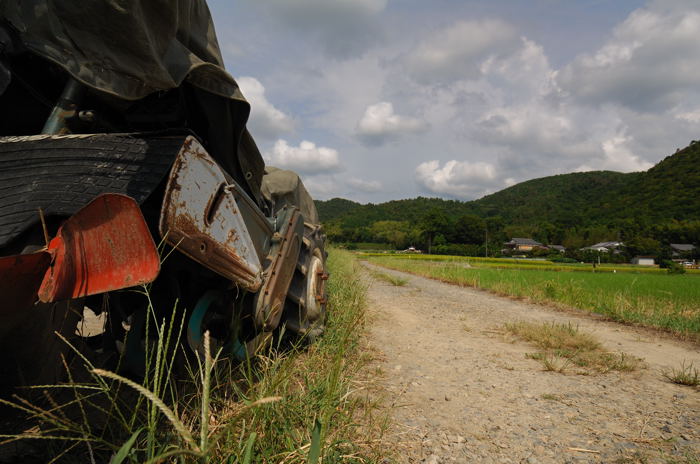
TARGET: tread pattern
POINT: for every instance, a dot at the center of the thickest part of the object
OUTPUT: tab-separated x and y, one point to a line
61	174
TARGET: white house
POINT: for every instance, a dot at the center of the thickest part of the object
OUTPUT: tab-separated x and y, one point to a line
643	260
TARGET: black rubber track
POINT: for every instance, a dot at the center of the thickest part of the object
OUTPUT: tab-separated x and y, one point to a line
61	174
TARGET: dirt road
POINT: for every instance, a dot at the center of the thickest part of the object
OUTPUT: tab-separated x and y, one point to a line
463	391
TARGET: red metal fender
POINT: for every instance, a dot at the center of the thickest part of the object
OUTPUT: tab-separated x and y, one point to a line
103	247
20	278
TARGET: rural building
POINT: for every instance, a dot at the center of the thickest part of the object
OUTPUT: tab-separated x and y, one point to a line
680	250
605	247
558	248
522	244
643	260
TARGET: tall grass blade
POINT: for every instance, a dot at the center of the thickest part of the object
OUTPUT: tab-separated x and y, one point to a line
126	448
157	402
248	456
315	449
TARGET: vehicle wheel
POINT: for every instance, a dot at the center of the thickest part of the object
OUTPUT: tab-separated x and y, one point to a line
305	308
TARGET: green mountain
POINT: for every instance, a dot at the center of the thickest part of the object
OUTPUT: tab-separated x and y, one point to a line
668	191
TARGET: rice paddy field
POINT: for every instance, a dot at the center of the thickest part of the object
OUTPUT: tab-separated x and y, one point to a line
645	296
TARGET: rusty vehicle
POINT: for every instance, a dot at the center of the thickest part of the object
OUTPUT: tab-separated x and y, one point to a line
125	161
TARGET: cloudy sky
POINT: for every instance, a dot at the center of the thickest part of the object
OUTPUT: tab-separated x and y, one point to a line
374	100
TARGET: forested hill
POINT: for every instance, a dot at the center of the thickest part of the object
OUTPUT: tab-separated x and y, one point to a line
669	190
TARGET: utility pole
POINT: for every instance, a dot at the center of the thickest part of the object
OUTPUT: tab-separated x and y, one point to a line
487	241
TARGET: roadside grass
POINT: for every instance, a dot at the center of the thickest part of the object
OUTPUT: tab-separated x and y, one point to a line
303	404
562	346
668	302
388	278
686	374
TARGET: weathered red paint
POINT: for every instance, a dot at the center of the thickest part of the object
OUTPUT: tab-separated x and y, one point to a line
103	247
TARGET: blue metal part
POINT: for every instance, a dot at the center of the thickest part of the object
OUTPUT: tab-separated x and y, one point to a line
65	108
195	329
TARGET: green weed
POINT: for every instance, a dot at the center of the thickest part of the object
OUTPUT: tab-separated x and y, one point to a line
564	345
388	278
686	374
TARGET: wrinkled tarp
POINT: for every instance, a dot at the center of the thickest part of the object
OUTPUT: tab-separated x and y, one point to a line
133	48
281	187
128	48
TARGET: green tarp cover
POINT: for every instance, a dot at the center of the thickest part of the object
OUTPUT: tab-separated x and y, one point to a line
282	187
128	48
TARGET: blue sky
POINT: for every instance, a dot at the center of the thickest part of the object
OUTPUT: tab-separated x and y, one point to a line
374	100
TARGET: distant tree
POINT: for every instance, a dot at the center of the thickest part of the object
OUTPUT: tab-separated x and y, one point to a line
469	228
396	233
643	246
432	223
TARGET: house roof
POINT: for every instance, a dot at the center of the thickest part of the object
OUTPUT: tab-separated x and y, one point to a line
606	245
523	241
682	246
557	247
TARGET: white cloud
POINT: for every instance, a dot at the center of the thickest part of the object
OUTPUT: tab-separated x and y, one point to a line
362	185
617	157
457	52
321	188
689	116
650	64
460	179
265	121
307	158
380	123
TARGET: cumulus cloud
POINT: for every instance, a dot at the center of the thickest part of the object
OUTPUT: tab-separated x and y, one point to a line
343	28
617	157
321	188
458	51
307	158
265	121
649	65
460	179
362	185
380	123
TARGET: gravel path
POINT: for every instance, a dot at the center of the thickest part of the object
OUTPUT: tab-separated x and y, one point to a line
463	391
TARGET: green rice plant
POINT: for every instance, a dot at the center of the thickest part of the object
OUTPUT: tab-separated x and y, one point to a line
658	300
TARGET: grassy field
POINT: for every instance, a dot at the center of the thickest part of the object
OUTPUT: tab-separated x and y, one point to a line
669	302
300	404
529	264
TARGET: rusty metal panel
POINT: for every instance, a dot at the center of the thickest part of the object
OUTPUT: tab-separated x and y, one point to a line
284	255
103	247
201	218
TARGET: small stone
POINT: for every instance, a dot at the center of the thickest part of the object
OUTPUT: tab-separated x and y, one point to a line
532	460
460	439
666	429
447	398
685	437
432	459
